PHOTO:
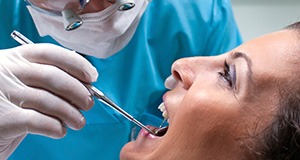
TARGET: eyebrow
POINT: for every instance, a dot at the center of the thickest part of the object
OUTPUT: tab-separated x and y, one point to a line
236	55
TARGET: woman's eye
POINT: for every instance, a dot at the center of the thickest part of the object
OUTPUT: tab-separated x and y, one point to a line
228	74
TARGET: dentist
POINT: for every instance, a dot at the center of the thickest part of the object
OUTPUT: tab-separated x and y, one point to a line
131	43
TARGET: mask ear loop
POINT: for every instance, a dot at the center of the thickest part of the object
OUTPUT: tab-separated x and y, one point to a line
71	19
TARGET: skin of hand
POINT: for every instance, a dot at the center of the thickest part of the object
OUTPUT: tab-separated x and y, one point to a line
41	92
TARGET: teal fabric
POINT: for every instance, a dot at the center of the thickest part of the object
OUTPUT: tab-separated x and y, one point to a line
134	77
14	16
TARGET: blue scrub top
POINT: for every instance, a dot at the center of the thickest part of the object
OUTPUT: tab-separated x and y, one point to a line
134	77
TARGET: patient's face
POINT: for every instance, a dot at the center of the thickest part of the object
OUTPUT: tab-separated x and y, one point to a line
220	101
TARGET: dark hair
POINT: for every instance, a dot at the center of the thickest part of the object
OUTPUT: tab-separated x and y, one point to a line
281	140
295	26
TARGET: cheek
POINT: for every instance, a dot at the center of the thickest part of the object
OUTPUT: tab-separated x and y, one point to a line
173	101
206	116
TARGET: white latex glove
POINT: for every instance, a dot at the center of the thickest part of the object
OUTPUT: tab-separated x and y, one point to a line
41	93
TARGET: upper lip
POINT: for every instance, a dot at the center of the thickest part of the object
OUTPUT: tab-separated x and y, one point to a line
166	106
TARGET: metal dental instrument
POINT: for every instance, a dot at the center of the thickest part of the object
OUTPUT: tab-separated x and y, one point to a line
94	91
20	38
100	96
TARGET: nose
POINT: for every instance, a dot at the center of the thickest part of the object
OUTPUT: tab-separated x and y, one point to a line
183	71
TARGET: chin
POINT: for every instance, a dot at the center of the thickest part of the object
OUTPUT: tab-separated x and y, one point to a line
144	147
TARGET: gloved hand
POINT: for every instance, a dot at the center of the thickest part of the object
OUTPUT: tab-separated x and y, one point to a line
41	92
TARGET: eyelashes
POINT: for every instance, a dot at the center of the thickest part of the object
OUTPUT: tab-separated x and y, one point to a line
229	74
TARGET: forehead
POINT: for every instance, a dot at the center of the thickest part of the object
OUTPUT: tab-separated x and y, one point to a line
274	55
275	45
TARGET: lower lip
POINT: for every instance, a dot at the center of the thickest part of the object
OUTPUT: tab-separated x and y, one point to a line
144	133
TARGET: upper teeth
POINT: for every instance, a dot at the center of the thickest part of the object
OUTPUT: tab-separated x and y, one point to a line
162	108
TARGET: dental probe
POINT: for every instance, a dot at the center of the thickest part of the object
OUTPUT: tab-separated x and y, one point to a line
20	38
93	90
100	96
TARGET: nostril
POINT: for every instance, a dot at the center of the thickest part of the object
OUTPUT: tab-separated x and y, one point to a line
183	72
176	75
185	77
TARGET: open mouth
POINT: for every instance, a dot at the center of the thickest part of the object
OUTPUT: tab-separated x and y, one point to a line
159	132
156	131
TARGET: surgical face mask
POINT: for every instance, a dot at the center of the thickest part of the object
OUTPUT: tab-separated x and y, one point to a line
101	35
